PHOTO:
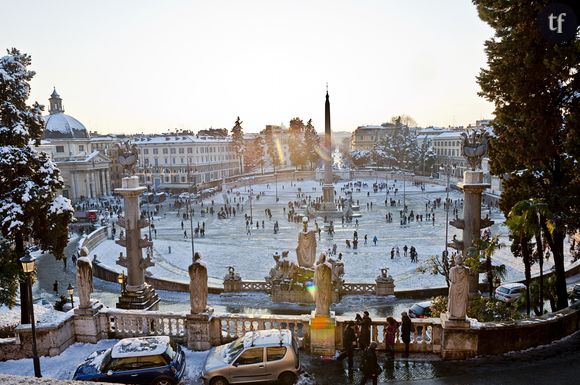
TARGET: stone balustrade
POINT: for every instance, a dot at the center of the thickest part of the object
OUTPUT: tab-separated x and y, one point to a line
233	326
124	323
358	288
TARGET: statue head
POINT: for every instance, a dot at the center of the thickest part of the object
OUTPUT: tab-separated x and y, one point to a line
322	258
196	257
458	260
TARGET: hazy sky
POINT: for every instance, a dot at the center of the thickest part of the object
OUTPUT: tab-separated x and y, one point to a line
149	66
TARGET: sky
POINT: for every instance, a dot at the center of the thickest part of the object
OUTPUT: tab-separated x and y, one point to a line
137	66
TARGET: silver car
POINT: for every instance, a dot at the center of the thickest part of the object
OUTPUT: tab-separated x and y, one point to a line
258	356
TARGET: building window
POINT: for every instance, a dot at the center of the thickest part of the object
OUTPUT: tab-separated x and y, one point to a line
189	150
155	151
59	148
172	151
165	151
146	151
81	147
181	150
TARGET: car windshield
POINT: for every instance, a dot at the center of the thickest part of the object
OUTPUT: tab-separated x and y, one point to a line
502	289
233	349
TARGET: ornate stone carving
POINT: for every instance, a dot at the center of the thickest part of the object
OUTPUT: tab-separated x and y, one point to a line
306	249
474	147
198	285
458	290
84	278
323	283
128	155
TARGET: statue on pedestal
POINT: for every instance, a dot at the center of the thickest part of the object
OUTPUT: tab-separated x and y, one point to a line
323	283
458	290
306	249
198	285
84	278
474	147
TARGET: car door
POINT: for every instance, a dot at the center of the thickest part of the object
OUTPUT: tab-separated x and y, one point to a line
275	362
249	366
124	370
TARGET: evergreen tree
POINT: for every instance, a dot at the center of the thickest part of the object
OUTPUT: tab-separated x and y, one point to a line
296	142
238	142
30	208
535	86
311	144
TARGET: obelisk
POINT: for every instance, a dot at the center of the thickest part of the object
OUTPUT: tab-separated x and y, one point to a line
327	187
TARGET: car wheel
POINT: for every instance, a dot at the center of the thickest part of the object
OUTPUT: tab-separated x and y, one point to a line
163	381
286	378
219	381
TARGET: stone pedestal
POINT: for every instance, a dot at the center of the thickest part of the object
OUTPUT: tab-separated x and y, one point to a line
322	335
458	341
385	286
199	330
87	323
142	299
232	285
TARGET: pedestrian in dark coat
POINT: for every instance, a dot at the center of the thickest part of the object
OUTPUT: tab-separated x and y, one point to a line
406	327
348	342
370	366
365	331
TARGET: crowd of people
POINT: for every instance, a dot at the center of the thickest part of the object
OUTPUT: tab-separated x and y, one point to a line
357	337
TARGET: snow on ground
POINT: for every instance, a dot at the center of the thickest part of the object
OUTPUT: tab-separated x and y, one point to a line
42	314
227	243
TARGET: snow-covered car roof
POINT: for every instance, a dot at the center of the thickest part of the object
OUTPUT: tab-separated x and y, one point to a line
140	346
268	337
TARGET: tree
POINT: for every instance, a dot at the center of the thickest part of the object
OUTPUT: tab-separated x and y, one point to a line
535	86
238	142
296	142
311	144
398	150
360	157
426	155
271	146
30	208
525	222
438	265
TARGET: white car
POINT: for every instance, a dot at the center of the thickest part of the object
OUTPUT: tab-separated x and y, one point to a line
509	292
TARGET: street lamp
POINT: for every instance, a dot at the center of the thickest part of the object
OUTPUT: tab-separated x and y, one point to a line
448	169
122	280
28	266
276	175
70	291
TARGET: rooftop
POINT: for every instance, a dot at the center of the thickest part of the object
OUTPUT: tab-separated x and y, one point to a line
176	139
268	337
140	346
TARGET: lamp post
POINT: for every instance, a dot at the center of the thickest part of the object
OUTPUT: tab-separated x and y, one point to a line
121	279
276	175
251	190
70	290
28	266
448	169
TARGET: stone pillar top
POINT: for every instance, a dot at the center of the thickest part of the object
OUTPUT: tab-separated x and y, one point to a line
130	185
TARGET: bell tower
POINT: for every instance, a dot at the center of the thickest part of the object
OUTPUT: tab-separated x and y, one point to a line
55	103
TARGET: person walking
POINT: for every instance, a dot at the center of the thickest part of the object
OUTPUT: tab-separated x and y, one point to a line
406	327
389	334
375	239
348	343
370	366
55	286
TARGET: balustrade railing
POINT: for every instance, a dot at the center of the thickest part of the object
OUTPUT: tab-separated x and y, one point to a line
233	326
358	288
134	323
263	286
425	335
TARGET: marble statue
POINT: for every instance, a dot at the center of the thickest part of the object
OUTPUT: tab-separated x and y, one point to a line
458	290
198	285
306	249
84	277
128	154
337	269
323	283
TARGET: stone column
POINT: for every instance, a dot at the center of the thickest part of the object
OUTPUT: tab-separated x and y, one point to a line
107	182
87	193
472	187
138	294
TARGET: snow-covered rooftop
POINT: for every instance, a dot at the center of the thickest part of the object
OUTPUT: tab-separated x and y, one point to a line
144	346
60	125
176	139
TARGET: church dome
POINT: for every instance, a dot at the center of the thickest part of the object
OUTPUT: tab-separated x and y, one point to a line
58	125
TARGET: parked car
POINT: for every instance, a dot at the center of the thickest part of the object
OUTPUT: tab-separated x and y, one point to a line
509	292
420	310
144	360
576	289
258	356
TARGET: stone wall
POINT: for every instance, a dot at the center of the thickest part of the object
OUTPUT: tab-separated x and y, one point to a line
51	339
502	337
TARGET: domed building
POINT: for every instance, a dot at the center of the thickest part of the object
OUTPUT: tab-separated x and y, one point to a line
84	165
